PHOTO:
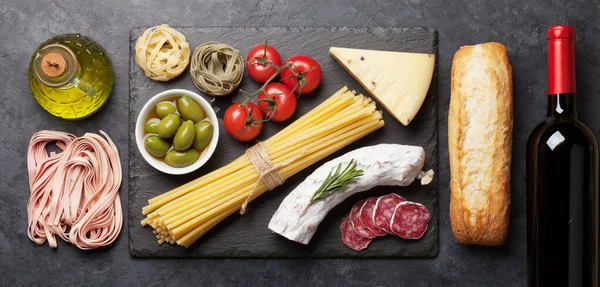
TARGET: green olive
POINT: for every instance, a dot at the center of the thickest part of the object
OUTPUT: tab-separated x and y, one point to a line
181	159
152	126
168	126
184	138
189	109
157	146
204	133
165	108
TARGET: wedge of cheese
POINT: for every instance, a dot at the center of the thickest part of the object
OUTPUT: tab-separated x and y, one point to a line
399	81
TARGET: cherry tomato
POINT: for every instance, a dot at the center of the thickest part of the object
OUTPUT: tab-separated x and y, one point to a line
241	126
278	103
257	62
306	77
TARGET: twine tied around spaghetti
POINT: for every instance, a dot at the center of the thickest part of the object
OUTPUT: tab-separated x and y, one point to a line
266	169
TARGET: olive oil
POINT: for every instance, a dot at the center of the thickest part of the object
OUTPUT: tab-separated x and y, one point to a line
70	76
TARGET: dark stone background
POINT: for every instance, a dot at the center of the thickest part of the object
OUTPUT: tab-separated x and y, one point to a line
520	25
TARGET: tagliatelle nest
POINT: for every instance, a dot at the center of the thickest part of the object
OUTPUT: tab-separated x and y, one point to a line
216	68
162	52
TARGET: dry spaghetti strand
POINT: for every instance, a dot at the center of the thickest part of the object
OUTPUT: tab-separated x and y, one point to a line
74	193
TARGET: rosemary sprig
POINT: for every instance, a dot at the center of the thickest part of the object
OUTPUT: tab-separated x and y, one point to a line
338	180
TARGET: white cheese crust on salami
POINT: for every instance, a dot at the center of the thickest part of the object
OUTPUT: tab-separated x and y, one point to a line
384	164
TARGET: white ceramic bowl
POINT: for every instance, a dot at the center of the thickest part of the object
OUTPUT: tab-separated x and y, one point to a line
140	127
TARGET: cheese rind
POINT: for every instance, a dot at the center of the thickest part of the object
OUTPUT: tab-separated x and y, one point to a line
399	81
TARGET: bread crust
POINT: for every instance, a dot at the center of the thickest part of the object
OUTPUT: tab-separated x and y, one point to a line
480	125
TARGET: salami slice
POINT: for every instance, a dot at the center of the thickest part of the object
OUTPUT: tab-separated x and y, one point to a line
410	220
366	217
350	238
354	218
384	209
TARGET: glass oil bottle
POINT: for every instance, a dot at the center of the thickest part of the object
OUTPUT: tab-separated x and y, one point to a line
70	76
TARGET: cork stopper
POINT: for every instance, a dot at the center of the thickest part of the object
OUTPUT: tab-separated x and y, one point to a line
54	65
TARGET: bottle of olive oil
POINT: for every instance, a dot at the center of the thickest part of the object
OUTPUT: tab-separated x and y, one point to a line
70	76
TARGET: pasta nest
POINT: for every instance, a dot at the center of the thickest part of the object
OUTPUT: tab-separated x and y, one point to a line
162	52
216	68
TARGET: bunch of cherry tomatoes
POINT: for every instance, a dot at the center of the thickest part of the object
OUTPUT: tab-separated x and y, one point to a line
276	101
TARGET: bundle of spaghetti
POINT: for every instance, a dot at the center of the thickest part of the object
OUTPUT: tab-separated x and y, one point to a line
74	193
184	214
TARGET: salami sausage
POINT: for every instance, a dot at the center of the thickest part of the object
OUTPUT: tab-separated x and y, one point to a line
298	217
354	218
409	220
384	209
366	217
350	238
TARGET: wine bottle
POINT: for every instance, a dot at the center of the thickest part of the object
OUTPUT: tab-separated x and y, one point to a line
562	181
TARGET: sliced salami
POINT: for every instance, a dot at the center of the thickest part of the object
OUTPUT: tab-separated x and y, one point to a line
384	209
354	218
350	238
409	220
366	217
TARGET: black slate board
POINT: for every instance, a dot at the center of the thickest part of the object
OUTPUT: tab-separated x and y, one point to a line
248	235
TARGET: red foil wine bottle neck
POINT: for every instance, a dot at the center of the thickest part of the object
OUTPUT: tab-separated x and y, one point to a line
561	60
